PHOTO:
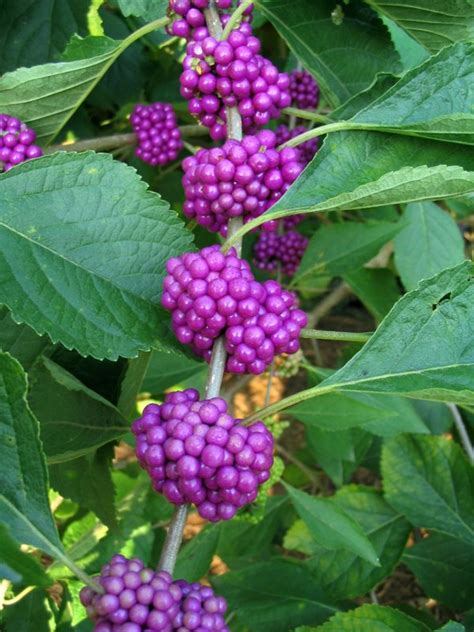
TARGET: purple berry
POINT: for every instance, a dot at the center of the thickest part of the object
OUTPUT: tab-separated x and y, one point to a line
158	136
216	471
304	90
16	142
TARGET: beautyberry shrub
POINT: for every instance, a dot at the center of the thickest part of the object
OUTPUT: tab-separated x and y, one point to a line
304	90
285	251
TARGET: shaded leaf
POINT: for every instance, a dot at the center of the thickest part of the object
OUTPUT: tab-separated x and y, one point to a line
345	57
24	505
377	288
444	567
274	596
434	23
340	248
85	258
430	481
147	9
371	618
20	341
73	419
17	566
195	557
330	526
429	242
47	23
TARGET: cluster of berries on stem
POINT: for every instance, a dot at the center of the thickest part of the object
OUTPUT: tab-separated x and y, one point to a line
240	179
16	142
195	452
304	91
211	294
138	599
158	136
273	251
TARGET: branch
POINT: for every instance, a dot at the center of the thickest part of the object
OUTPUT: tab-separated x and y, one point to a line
218	359
336	336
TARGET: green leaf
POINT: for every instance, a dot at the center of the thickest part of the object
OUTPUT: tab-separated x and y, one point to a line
433	23
24	505
410	51
371	618
30	614
433	100
400	357
46	96
20	341
452	626
88	273
330	526
359	170
340	248
436	416
345	57
74	420
274	596
87	481
377	288
430	481
196	555
338	453
380	414
444	567
49	23
345	575
167	370
429	242
147	9
132	382
17	566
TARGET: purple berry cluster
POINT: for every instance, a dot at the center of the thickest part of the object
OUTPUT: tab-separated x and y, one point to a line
307	150
211	294
158	135
16	142
232	73
196	453
241	178
304	90
272	250
138	599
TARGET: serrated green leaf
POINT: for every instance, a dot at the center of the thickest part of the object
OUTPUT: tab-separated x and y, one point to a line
20	341
429	242
24	505
274	596
433	100
47	23
377	288
74	420
345	57
433	23
340	248
401	358
345	575
371	618
330	526
17	566
444	567
430	481
360	170
85	257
